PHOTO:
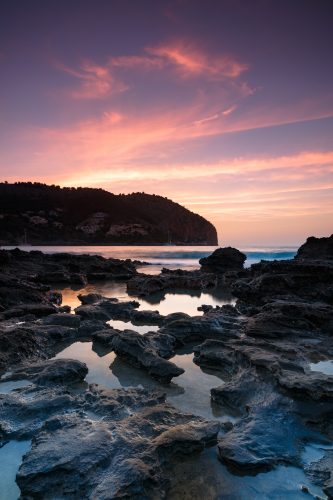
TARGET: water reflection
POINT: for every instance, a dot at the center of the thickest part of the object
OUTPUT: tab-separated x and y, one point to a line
128	325
166	303
313	452
10	458
325	367
6	387
197	385
190	392
107	289
99	372
203	476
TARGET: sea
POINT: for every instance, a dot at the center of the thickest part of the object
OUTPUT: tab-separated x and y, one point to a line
171	256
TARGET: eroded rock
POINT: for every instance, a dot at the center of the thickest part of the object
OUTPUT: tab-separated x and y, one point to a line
106	309
145	351
144	284
57	371
123	454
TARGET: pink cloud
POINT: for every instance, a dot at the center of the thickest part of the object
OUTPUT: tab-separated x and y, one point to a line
136	61
191	61
183	57
96	81
186	57
240	195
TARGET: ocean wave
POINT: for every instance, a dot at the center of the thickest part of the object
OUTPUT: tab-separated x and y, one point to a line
270	255
174	255
169	256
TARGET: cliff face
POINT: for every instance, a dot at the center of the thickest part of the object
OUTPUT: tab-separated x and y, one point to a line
39	214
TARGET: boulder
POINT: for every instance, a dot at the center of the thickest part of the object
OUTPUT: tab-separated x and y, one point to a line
223	260
316	249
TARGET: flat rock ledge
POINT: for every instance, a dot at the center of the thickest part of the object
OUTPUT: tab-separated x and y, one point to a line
99	443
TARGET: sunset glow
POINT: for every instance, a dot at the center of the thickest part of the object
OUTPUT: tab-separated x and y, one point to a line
191	106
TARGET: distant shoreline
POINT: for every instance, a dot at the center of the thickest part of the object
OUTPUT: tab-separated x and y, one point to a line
11	245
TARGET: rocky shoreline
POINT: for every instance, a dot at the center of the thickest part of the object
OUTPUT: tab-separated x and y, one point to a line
89	442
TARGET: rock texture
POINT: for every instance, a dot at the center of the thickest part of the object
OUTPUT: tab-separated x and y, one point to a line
144	284
94	443
40	269
281	404
57	371
98	443
106	309
143	351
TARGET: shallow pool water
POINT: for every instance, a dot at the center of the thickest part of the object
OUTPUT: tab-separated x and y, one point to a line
323	367
164	303
197	477
195	384
205	477
10	459
190	392
128	325
313	452
6	387
98	364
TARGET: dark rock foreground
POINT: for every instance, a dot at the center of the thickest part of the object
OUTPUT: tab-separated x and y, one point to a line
91	443
97	443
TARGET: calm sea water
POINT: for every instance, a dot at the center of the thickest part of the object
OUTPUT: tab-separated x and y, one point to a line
168	256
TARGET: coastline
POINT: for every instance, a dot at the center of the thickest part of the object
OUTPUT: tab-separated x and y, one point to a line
262	346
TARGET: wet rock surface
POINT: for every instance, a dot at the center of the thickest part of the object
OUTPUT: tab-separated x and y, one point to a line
146	351
106	309
263	349
56	371
287	325
320	472
99	443
43	268
104	460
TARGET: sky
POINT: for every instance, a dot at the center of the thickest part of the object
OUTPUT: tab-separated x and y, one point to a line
224	106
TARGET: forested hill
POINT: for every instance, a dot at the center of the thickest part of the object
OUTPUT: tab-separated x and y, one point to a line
39	214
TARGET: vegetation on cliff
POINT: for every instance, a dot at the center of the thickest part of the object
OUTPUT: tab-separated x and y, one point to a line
36	213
